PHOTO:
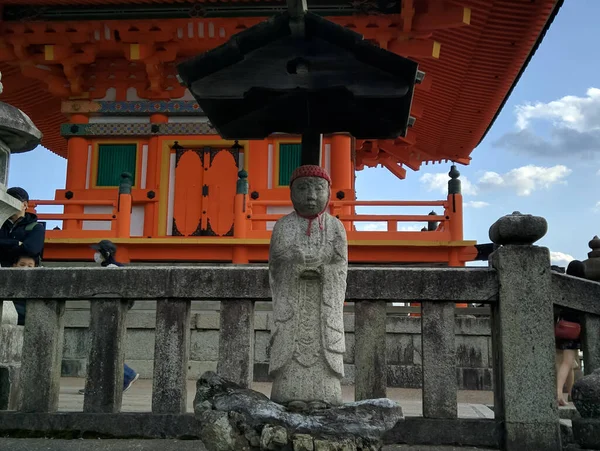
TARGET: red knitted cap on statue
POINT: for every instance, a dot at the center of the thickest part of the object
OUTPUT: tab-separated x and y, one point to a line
310	170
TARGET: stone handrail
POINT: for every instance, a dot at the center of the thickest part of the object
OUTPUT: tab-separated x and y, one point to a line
519	287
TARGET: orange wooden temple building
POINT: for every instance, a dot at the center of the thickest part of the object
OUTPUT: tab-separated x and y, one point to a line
98	78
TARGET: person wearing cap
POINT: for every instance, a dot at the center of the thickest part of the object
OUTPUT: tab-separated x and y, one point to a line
21	234
105	255
308	262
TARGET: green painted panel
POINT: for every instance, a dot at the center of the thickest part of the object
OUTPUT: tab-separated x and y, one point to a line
114	159
289	159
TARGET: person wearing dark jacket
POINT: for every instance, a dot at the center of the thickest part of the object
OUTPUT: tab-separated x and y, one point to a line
21	234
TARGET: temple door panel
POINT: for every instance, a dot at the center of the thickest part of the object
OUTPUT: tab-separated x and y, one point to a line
220	179
188	199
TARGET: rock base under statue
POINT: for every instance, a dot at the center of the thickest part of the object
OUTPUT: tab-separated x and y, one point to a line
236	418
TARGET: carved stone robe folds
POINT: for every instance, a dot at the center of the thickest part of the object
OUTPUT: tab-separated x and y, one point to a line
307	272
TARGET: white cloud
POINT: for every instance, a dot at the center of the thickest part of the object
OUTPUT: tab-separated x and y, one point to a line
526	179
560	257
574	127
597	207
577	113
598	173
523	180
476	204
439	182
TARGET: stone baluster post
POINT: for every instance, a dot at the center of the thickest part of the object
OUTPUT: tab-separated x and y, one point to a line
236	338
523	336
590	330
369	350
42	355
171	352
104	384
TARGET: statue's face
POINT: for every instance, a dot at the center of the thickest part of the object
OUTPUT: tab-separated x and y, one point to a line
310	195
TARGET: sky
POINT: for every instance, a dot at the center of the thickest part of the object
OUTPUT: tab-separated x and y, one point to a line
541	157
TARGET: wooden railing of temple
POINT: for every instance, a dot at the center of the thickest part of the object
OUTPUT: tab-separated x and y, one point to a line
519	288
438	237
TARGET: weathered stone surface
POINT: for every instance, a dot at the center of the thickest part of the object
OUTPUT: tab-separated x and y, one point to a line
273	438
11	343
236	342
590	341
40	367
217	432
169	390
368	420
42	444
17	130
439	360
526	402
335	445
586	432
518	228
9	313
104	383
302	442
370	352
9	386
575	293
586	395
230	283
308	263
91	425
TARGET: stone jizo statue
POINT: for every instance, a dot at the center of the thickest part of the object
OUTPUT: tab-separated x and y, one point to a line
308	264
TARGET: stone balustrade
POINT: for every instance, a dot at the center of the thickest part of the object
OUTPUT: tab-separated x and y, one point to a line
519	287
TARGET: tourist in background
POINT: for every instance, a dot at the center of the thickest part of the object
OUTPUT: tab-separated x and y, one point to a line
21	234
105	255
23	261
567	347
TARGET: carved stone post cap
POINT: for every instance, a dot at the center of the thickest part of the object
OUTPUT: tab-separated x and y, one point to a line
518	229
586	395
594	245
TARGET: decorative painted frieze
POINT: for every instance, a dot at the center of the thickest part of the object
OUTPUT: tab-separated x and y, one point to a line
122	129
137	107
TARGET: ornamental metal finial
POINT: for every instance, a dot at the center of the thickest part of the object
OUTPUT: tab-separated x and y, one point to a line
242	183
126	183
594	245
454	185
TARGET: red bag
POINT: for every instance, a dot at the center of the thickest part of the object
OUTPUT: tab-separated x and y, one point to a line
567	330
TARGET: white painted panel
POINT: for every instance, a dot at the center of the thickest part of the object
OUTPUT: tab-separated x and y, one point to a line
144	166
137	221
171	195
270	168
328	158
241	164
96	210
190	30
88	168
110	96
120	119
106	33
278	210
201	29
180	33
132	94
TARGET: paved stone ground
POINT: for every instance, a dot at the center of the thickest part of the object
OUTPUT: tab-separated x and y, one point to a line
472	404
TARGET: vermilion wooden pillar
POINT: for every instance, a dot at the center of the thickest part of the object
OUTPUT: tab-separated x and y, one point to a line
152	177
77	155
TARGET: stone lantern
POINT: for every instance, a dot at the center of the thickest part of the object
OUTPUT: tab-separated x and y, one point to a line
17	134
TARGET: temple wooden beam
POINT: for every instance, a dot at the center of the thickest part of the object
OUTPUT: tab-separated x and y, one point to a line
450	17
416	48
